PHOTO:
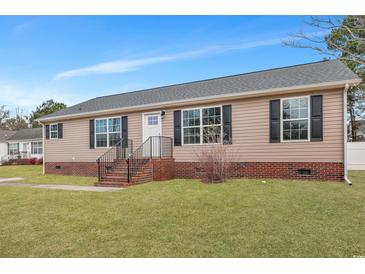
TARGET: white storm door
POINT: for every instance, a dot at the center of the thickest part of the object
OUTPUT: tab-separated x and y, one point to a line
152	128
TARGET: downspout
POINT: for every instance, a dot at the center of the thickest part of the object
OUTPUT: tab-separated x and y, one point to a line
43	148
345	135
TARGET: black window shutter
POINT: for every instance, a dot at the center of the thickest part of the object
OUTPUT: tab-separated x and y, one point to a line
316	118
60	130
47	131
124	131
227	124
275	121
92	134
177	128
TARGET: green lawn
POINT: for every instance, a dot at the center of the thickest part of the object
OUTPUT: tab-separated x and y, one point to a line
33	174
185	218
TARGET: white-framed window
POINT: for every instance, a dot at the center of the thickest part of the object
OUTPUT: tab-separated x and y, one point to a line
36	148
295	123
53	131
202	125
107	131
13	148
152	120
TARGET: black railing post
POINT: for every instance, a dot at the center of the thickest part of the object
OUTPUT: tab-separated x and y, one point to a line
128	172
98	163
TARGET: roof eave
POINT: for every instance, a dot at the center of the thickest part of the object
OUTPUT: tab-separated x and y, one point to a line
246	94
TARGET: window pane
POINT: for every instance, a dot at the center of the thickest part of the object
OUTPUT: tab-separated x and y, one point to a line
54	134
114	138
54	127
212	134
295	130
294	134
293	110
286	125
294	125
286	134
212	116
294	103
100	126
286	114
152	120
303	102
294	114
304	134
303	113
192	135
191	118
101	140
286	104
114	125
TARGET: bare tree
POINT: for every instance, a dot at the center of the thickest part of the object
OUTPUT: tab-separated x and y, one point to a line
18	121
342	38
4	114
337	37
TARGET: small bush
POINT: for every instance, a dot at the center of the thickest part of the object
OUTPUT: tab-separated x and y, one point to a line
215	163
32	161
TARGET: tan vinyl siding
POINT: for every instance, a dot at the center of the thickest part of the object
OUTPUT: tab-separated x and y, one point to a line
250	127
74	146
250	133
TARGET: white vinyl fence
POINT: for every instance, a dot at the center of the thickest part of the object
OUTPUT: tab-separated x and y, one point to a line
356	155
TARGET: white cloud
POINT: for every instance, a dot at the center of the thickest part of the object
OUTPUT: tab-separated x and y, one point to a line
22	27
122	66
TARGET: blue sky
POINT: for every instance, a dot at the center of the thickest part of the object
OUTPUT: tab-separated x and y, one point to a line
75	58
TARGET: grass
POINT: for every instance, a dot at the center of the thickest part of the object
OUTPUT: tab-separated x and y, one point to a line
33	174
185	218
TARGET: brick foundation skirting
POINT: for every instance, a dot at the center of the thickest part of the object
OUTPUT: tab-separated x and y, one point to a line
166	169
280	170
72	168
163	169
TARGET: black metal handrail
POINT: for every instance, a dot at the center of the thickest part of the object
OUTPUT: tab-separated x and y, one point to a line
106	162
153	147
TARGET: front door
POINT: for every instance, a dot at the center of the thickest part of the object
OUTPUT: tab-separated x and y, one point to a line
152	128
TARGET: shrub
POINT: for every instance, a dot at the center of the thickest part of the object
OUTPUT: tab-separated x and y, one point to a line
215	163
40	161
32	161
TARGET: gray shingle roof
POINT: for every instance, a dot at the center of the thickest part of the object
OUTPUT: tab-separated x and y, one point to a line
27	134
306	74
5	134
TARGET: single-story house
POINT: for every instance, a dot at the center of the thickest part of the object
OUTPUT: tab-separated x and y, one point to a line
22	144
4	135
278	123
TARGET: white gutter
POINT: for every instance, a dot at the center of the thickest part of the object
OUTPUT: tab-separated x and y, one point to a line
206	99
43	149
347	86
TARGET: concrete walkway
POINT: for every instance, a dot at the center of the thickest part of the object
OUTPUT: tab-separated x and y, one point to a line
10	179
63	187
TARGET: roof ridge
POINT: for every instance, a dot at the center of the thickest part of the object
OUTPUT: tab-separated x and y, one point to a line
210	79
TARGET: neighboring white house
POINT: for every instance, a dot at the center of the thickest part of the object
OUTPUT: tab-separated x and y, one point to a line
22	144
4	135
